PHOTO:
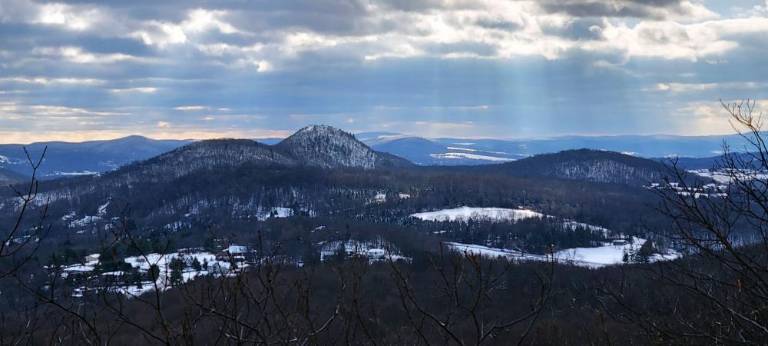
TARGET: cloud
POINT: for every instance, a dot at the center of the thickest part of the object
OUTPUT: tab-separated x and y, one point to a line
66	16
34	117
700	118
652	9
52	81
698	87
141	90
79	56
190	108
480	66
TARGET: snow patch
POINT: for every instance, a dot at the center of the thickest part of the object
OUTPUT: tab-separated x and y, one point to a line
74	174
457	156
276	212
465	213
589	257
724	176
480	214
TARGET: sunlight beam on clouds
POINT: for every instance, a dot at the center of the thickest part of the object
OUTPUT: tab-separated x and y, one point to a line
541	67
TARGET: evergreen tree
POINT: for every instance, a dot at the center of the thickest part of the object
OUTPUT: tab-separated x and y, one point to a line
196	264
645	252
153	272
177	269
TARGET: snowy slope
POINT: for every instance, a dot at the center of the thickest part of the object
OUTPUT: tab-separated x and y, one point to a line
465	213
593	257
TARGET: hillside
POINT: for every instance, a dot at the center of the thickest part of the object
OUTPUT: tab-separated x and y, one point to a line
10	177
85	158
328	147
588	165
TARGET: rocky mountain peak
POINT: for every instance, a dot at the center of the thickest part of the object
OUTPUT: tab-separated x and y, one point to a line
326	146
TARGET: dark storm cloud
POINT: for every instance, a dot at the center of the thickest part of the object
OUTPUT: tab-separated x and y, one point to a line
656	9
578	29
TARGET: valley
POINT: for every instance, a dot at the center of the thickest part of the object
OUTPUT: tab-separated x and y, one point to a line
213	211
273	197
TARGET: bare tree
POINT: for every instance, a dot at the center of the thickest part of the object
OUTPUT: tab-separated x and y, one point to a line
19	243
465	290
720	288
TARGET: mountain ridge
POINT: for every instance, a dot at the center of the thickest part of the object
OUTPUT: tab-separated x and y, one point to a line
313	146
586	164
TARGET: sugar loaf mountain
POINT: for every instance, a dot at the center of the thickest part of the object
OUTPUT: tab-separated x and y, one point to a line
324	177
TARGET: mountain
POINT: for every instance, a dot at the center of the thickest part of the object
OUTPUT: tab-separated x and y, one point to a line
328	147
91	157
203	155
588	165
314	146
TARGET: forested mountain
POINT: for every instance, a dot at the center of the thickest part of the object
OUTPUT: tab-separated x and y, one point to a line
320	199
70	159
315	146
584	164
328	147
324	173
93	157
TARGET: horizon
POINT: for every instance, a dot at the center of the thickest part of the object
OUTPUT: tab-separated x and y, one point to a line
87	70
356	134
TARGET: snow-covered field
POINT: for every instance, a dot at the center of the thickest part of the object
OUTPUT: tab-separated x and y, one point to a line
375	250
592	257
455	155
210	265
74	174
705	191
485	214
723	176
463	214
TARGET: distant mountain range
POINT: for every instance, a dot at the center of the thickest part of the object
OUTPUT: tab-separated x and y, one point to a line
456	151
313	146
317	171
93	157
70	159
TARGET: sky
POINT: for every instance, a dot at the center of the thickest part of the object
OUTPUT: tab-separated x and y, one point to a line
87	69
